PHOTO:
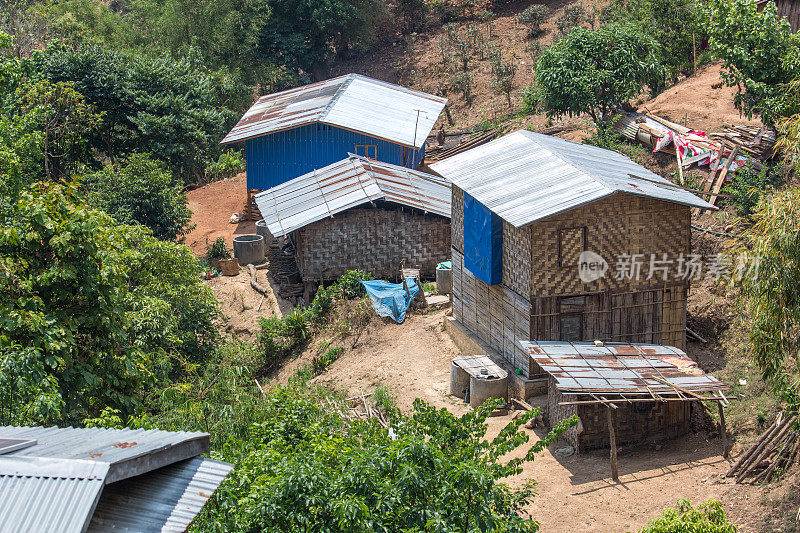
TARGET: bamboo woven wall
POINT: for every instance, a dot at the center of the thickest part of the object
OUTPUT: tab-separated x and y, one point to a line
375	240
457	219
517	256
637	423
495	314
655	316
556	413
619	224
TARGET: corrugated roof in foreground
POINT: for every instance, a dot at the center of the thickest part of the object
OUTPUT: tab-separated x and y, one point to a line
346	184
525	176
620	368
353	102
167	499
135	480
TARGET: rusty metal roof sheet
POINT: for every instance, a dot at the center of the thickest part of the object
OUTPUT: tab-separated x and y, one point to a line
346	184
525	177
377	108
620	368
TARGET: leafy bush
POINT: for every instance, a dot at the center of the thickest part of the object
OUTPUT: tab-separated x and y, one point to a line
571	18
749	185
530	100
760	55
593	71
462	82
141	191
706	518
503	82
229	164
218	249
533	16
304	468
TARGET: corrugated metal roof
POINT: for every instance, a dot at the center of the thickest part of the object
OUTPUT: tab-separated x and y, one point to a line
526	176
54	485
121	448
354	102
167	499
46	494
619	368
346	184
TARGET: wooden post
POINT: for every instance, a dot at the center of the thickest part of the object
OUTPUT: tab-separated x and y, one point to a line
612	438
723	432
694	55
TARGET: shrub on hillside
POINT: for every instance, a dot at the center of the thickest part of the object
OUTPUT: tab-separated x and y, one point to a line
706	518
142	191
749	185
532	17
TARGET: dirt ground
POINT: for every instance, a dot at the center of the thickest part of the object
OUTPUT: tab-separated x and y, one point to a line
212	206
240	303
576	494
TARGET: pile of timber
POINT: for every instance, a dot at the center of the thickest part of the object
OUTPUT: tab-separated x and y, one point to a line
357	408
776	451
755	142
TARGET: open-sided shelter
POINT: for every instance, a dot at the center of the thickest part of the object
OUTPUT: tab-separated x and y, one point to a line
359	214
292	132
525	209
648	388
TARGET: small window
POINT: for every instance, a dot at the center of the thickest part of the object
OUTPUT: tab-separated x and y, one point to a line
370	151
571	243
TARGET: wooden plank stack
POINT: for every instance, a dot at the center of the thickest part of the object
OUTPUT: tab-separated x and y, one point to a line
358	408
775	451
755	142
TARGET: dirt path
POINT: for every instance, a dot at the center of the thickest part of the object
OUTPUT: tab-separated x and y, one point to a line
576	493
212	206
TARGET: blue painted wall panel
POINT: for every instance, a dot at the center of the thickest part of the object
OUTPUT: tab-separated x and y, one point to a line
284	155
483	242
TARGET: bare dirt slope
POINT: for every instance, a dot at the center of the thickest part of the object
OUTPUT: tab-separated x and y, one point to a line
212	206
700	102
576	493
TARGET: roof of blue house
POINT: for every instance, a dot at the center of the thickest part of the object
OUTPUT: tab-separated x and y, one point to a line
353	102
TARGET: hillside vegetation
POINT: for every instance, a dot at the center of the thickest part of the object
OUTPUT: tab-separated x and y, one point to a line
110	111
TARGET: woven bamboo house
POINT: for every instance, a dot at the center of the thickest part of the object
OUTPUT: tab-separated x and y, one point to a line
360	214
525	209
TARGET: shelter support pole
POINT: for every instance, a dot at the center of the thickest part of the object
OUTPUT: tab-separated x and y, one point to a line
612	439
723	432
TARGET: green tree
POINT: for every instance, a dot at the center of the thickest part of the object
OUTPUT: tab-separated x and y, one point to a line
771	294
593	71
100	312
302	468
759	52
141	191
677	25
172	108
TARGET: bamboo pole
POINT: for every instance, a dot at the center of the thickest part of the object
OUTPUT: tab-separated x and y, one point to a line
612	438
752	448
722	430
766	449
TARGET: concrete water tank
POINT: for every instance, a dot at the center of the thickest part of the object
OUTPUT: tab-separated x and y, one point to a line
444	280
263	230
459	380
248	249
483	387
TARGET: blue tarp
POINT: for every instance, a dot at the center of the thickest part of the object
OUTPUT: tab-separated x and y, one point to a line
483	242
391	299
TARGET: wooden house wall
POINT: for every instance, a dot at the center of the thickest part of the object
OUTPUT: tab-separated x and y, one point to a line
618	224
789	9
457	219
375	240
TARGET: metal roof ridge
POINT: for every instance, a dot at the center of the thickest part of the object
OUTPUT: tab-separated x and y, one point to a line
335	98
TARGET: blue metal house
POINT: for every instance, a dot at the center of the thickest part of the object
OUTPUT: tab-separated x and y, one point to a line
293	132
